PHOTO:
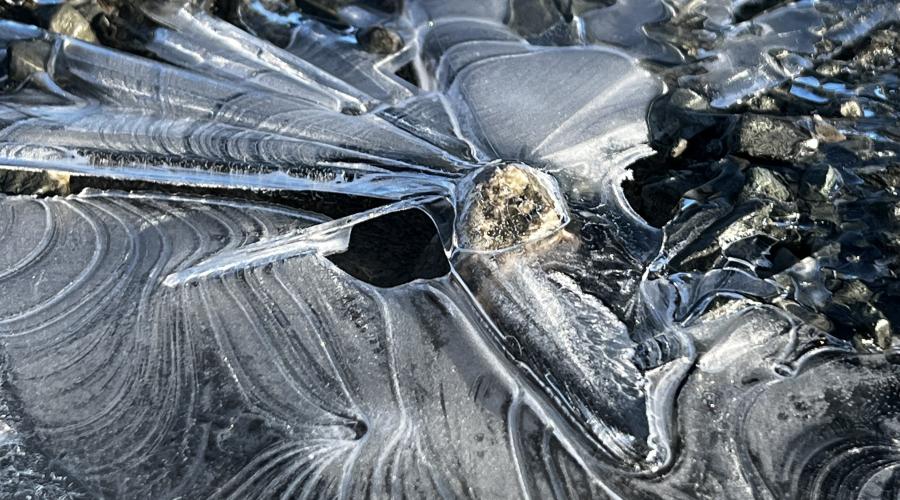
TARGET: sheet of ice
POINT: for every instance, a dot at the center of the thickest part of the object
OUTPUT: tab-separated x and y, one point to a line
184	346
779	44
286	379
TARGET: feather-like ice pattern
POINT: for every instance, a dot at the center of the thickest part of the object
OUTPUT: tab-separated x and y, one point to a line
286	379
124	81
226	50
186	346
584	136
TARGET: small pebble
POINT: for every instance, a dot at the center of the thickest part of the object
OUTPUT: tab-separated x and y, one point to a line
851	109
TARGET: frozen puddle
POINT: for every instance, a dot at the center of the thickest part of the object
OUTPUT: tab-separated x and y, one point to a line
176	320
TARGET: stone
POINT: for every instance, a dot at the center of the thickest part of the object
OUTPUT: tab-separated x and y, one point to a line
509	205
770	138
762	182
68	21
851	109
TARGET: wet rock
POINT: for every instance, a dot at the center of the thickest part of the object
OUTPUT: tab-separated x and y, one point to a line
68	21
770	138
509	205
763	183
756	222
379	40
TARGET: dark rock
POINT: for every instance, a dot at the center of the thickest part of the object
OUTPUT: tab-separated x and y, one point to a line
379	40
763	183
771	138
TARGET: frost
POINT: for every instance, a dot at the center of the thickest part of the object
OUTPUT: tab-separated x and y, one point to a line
171	327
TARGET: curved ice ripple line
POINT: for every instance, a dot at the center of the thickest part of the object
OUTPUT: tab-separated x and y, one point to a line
835	437
112	211
130	82
147	395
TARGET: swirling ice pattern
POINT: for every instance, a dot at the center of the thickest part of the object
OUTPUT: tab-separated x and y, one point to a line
551	371
288	380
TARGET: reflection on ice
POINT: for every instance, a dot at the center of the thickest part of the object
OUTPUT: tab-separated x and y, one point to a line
201	343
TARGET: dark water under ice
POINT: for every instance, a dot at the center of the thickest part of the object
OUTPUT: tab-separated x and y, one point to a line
480	248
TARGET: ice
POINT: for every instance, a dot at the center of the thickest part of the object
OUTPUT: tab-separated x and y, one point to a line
296	377
180	319
782	43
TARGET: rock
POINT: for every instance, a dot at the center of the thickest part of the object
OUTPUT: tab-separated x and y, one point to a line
754	223
771	138
882	52
831	68
379	40
763	183
833	182
851	109
826	131
679	147
68	21
688	99
28	57
763	103
508	205
48	182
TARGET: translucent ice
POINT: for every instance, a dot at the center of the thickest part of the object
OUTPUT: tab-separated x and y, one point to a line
189	345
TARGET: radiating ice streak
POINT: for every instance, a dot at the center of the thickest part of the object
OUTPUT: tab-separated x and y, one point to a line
177	48
430	117
210	34
331	178
317	44
106	129
128	81
323	239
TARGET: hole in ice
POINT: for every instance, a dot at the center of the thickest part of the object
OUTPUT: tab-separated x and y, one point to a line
359	428
408	73
394	249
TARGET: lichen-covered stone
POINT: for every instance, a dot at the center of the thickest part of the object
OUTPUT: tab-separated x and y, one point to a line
770	138
508	205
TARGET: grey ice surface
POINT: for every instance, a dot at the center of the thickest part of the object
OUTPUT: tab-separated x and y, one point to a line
203	344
